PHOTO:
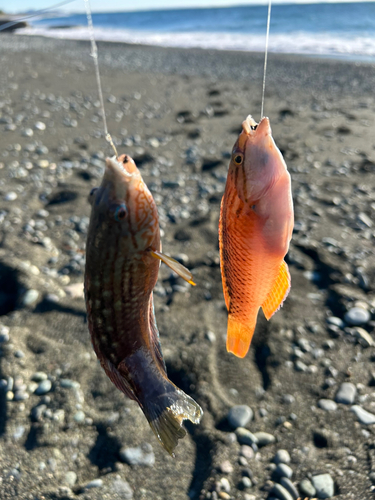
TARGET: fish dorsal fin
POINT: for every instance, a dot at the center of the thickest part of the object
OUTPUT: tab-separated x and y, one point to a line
174	265
278	293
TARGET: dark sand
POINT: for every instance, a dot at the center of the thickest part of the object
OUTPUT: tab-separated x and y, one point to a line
178	112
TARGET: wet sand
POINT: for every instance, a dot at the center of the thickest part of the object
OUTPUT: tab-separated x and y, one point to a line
177	113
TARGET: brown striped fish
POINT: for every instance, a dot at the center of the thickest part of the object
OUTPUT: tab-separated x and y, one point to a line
123	255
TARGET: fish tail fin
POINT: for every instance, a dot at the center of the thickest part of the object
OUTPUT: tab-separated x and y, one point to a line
239	336
166	412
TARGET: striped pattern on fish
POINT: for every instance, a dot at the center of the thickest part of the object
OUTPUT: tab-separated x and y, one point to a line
123	256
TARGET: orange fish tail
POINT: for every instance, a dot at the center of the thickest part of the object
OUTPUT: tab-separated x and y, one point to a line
239	336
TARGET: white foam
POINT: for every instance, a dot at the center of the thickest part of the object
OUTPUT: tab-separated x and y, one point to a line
294	43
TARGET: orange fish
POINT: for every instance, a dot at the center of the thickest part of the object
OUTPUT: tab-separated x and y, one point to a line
123	255
255	228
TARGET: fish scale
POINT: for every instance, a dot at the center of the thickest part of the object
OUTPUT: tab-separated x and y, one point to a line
123	254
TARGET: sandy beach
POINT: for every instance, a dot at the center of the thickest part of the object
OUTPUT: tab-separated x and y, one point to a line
309	377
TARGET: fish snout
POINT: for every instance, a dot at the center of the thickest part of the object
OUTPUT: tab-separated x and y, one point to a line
264	128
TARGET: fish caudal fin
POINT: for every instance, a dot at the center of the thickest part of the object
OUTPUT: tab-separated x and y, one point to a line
278	293
167	411
239	336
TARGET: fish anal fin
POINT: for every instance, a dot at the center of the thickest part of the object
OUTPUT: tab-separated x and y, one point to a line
239	336
278	293
173	264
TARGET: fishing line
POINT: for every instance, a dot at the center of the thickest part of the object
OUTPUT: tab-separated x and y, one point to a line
265	57
35	14
94	55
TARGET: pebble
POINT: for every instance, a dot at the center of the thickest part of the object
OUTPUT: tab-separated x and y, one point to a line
122	488
96	483
357	316
363	416
281	457
37	413
264	438
364	336
39	376
307	488
40	126
226	467
4	334
245	483
142	455
247	452
43	388
324	485
281	493
283	470
21	396
70	478
27	132
66	383
239	416
79	417
30	297
346	393
289	486
246	437
327	404
334	320
19	432
223	485
11	196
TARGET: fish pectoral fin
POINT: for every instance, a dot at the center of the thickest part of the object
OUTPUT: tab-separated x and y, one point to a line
174	265
278	293
239	336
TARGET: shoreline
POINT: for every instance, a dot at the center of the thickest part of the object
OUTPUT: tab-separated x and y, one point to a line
293	70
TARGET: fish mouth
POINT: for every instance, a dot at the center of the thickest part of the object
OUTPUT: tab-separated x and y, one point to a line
253	129
122	167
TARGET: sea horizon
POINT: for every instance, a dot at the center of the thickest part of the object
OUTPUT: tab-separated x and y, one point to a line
338	30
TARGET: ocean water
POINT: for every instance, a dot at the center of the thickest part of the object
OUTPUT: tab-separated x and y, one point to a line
324	29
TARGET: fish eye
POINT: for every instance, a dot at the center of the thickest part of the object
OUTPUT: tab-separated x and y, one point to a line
238	159
120	213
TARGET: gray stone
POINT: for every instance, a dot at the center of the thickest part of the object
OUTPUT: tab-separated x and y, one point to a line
306	488
43	388
79	417
39	376
70	478
30	297
324	485
333	320
281	457
289	486
346	393
245	483
365	338
264	438
142	455
96	483
283	470
327	404
19	432
122	488
239	416
281	493
4	334
246	437
363	416
357	316
69	384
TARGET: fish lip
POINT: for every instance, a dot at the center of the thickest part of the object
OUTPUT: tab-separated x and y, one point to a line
253	129
123	167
